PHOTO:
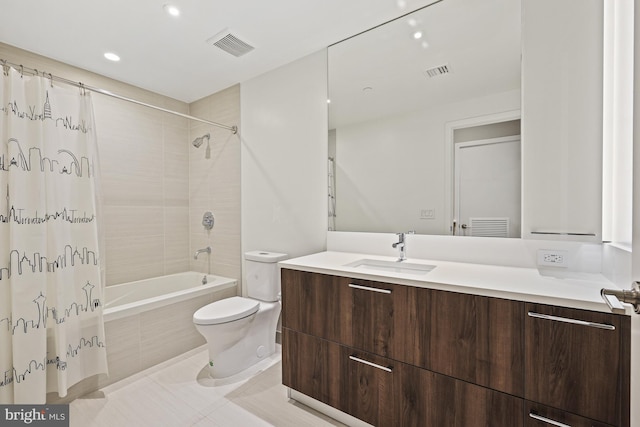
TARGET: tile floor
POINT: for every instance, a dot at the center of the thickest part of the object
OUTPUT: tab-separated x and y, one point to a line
178	393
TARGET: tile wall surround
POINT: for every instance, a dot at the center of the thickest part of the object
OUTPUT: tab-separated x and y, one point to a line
214	184
145	183
147	162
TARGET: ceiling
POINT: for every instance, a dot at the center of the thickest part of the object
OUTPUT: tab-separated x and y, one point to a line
383	72
169	55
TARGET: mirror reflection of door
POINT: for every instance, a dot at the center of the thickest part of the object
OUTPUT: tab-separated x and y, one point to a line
487	187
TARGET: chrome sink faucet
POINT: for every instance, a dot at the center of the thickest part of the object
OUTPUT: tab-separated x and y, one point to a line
199	251
401	245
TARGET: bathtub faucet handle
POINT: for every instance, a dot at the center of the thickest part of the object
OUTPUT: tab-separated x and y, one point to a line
204	279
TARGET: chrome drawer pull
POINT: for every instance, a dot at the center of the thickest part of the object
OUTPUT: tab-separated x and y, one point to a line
384	368
367	288
547	420
572	321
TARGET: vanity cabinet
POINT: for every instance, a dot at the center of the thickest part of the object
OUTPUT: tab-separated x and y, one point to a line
579	361
410	356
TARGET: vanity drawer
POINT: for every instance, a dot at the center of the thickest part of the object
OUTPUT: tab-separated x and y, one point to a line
474	338
316	304
358	383
426	398
312	366
378	317
362	314
578	360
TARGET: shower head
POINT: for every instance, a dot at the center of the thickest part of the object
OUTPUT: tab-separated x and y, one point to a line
198	141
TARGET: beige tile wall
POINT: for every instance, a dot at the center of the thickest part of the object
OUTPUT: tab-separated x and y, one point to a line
145	174
214	185
145	179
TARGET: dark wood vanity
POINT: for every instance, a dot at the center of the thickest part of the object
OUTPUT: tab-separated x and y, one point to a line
397	355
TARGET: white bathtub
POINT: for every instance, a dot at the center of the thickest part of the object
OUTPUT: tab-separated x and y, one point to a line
149	321
131	298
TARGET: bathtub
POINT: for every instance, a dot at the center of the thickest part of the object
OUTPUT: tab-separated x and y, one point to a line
150	321
128	299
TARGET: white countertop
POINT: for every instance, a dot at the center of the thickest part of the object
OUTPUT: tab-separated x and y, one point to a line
555	287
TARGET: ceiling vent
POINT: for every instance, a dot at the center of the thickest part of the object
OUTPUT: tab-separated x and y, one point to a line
439	70
230	43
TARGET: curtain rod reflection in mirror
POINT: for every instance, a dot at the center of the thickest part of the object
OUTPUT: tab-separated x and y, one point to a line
33	71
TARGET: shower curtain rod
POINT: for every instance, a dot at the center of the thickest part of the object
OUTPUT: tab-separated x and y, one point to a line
22	69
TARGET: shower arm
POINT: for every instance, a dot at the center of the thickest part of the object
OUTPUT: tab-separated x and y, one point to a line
198	141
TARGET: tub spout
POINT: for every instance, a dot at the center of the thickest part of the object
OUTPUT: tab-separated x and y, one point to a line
199	251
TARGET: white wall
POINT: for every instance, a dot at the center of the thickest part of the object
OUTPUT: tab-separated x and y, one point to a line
284	158
388	170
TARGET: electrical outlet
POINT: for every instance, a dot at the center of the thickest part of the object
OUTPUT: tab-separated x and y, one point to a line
427	214
553	258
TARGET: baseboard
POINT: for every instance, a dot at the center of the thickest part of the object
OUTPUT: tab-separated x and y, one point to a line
326	409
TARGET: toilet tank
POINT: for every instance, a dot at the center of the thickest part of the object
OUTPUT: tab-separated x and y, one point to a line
262	279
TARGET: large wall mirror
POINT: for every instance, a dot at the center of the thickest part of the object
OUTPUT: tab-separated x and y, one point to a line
424	123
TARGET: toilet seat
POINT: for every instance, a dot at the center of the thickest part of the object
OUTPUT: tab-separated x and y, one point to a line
225	310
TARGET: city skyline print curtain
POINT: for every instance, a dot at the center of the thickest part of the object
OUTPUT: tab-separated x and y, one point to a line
51	281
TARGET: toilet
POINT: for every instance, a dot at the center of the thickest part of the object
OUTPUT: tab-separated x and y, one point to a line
240	331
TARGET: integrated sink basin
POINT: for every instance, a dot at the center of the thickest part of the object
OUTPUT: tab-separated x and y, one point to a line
391	266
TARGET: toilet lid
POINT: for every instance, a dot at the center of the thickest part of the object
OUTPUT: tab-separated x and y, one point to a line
225	310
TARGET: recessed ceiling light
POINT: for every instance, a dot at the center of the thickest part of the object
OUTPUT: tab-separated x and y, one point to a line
367	89
412	22
171	10
112	56
417	35
328	101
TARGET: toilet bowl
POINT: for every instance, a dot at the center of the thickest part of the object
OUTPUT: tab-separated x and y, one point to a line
240	331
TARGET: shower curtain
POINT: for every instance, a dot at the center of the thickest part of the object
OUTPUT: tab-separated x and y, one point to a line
51	281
